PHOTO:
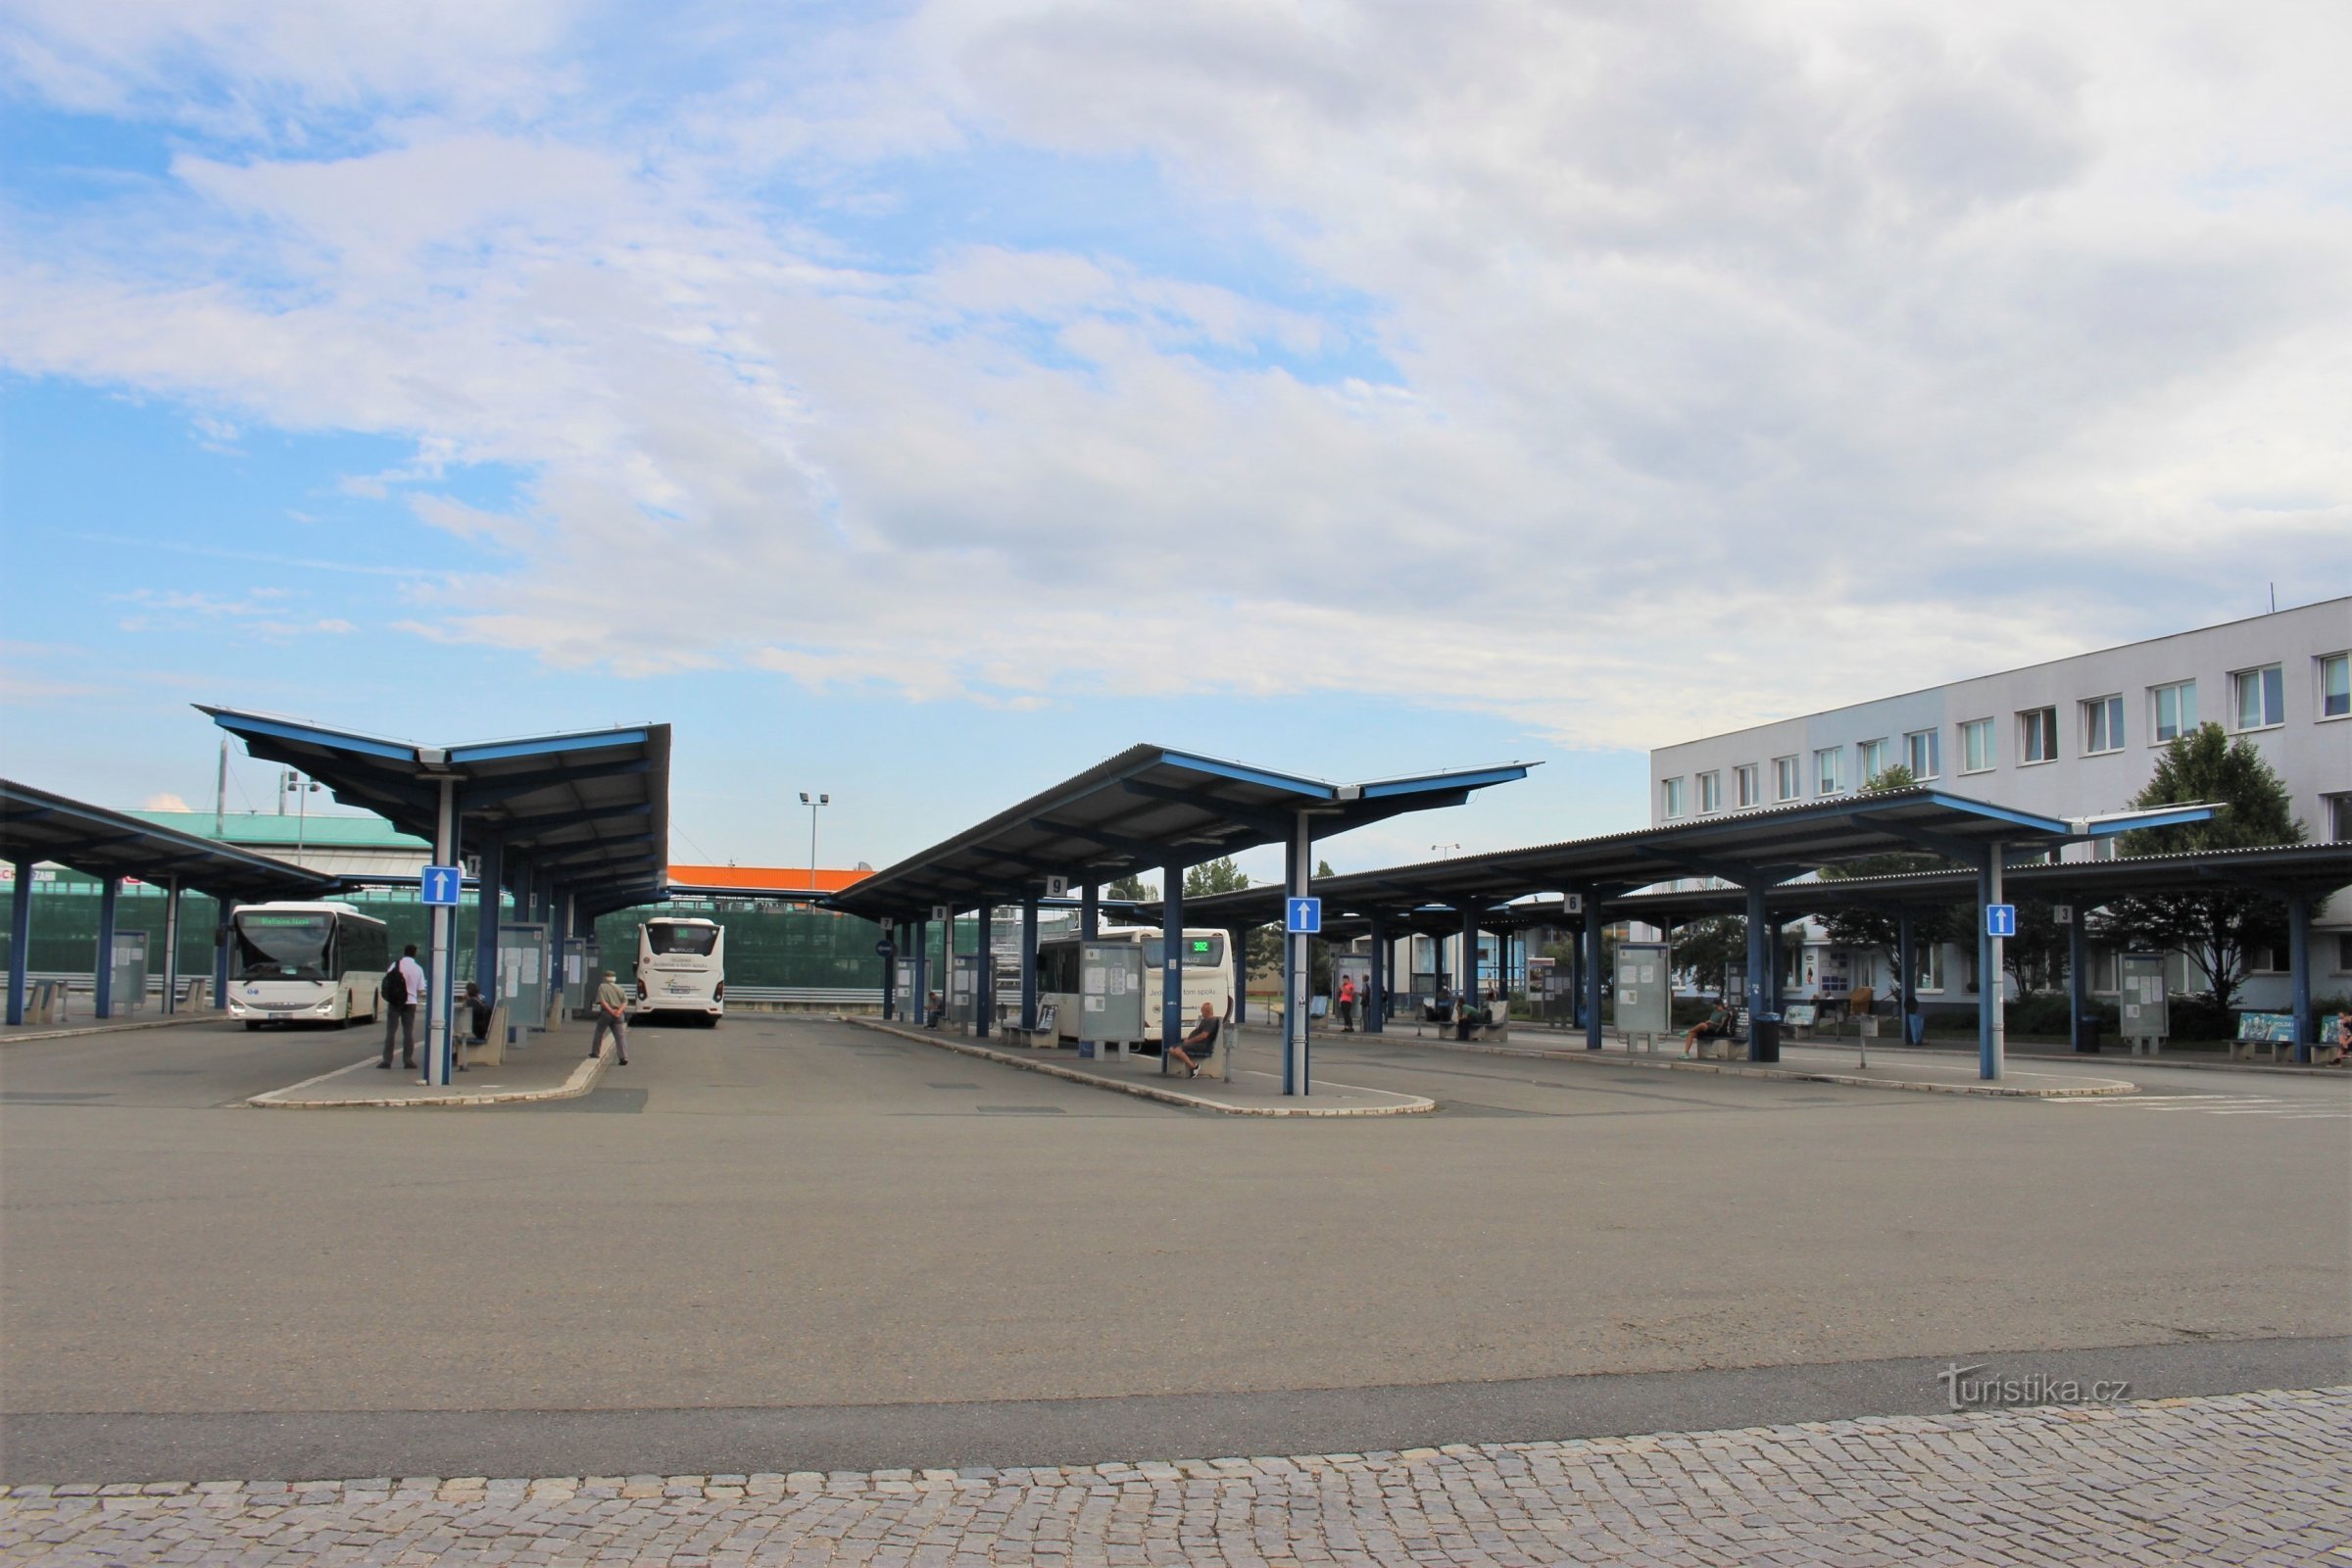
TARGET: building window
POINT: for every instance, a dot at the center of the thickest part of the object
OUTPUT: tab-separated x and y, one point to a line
2176	710
1923	753
1670	797
2336	811
1975	745
1784	779
2261	958
1710	791
2343	953
2037	735
1829	770
1931	966
2103	724
2258	697
1870	760
2335	686
1748	787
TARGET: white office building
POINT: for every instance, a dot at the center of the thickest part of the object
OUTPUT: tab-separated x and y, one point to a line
2074	737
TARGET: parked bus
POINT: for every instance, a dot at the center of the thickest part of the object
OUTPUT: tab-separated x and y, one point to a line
305	963
1207	977
681	968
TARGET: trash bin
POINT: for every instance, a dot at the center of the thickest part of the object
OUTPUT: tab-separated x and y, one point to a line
1765	1040
2087	1036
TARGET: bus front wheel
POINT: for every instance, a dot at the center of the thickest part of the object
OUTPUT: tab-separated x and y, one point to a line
253	1023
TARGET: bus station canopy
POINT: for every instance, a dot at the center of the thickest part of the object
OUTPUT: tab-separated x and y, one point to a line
588	810
1145	809
1750	849
2315	870
36	825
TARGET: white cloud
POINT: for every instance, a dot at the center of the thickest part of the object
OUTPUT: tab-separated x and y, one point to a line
165	800
1742	362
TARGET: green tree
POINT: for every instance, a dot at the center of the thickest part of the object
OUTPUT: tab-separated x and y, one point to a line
1896	777
1880	929
2216	927
1323	870
1132	886
1713	952
1219	875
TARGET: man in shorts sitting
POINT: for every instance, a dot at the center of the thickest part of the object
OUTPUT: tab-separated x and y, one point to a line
1203	1039
1714	1027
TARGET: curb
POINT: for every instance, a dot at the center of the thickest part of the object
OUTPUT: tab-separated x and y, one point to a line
2110	1088
91	1031
1172	1097
584	1077
2185	1063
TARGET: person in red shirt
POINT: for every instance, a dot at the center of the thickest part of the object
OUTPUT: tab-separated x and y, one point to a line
1348	1004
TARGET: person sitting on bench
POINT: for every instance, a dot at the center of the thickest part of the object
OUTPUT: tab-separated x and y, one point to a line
1714	1027
1203	1039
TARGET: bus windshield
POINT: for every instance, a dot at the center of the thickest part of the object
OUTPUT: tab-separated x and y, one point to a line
282	946
695	940
1199	953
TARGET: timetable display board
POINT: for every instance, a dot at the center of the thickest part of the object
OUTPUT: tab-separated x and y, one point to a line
1645	988
2140	997
1110	981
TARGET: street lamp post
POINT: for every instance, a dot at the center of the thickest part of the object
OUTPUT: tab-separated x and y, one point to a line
289	781
812	802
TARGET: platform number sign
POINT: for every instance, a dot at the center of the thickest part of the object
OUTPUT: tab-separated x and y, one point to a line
440	885
2000	919
1302	917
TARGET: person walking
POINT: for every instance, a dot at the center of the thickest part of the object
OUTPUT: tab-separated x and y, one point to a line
613	1014
1348	1004
403	990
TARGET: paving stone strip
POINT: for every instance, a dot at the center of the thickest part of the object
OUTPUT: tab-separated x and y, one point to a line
2253	1478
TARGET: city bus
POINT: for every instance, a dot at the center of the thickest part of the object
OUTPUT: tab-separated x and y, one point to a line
681	968
305	963
1207	977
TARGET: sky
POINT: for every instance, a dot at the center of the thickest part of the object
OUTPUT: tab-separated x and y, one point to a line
922	402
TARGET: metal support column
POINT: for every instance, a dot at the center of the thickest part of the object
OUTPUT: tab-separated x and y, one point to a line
1090	926
2298	970
485	915
440	1058
1906	971
1173	1024
220	946
171	946
1296	972
1759	968
984	978
918	942
1029	961
1991	1033
109	892
1239	936
19	939
2078	978
1376	982
1592	970
1467	997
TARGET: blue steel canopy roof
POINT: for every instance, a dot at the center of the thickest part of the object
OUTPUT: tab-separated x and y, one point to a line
590	810
1763	847
36	825
1137	812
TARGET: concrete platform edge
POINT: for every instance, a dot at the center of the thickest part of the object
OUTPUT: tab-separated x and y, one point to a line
1054	1069
1742	1069
584	1077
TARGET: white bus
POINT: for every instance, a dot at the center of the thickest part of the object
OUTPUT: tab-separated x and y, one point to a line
1207	977
305	963
681	968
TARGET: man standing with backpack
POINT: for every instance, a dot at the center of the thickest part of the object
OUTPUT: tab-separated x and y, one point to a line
402	990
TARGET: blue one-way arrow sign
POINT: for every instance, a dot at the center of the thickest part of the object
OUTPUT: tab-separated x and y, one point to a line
1302	917
2000	919
441	884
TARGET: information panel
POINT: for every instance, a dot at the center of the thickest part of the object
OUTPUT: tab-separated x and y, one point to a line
1111	991
2141	996
1645	988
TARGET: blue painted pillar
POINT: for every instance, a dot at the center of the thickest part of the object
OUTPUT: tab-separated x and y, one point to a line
19	939
2298	970
1090	926
1029	961
1989	968
1239	936
1295	970
2078	978
485	917
1759	968
1173	1024
1591	975
1468	994
983	982
171	946
1780	965
222	945
918	937
1906	971
103	988
1376	991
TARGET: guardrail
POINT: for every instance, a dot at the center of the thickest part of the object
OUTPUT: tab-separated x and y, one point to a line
803	995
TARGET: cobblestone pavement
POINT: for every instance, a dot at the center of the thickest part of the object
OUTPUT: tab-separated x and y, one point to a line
2256	1477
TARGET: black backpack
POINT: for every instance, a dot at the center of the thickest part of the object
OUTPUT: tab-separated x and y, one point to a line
395	988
